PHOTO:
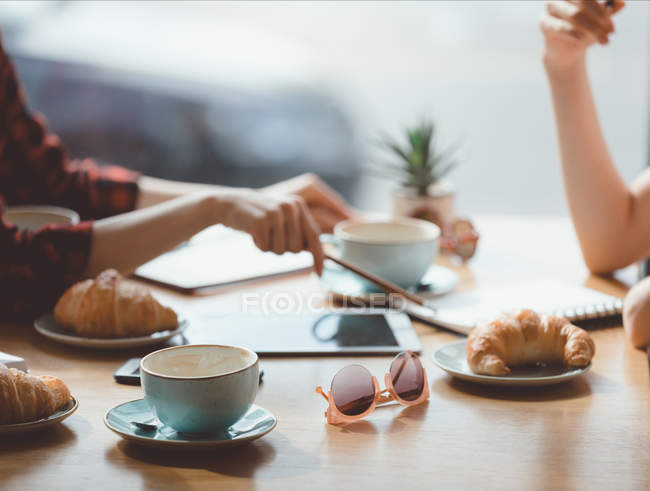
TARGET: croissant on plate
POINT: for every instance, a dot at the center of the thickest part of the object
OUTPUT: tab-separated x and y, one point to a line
111	307
25	397
525	337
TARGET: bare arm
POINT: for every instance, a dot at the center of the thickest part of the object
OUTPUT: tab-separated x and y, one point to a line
287	216
324	204
153	191
277	224
126	241
636	314
611	220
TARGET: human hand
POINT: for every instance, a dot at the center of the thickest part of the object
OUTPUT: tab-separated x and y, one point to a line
571	26
327	207
276	223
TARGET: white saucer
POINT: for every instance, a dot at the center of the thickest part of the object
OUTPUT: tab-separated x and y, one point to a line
438	280
256	423
39	424
453	360
47	326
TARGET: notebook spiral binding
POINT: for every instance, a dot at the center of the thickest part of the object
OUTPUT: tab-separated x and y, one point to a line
595	316
588	312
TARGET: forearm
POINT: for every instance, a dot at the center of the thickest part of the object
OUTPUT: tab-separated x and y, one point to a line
126	241
636	314
153	191
599	201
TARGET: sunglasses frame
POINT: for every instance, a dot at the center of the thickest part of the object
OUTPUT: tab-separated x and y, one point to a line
334	416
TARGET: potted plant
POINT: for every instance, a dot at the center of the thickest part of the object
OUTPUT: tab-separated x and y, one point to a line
420	167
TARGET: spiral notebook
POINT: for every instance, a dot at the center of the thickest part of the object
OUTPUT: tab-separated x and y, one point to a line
460	312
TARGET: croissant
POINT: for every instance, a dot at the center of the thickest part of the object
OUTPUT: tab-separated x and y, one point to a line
111	307
25	397
524	337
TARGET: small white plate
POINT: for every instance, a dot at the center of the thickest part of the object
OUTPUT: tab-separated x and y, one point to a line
256	423
33	217
453	360
344	284
48	327
55	418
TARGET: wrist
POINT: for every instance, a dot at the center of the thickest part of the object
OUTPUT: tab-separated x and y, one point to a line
211	208
220	204
558	67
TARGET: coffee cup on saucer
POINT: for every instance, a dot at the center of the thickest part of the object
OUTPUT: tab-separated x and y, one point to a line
200	388
399	250
33	217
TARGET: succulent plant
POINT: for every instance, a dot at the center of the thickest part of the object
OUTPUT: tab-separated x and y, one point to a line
419	163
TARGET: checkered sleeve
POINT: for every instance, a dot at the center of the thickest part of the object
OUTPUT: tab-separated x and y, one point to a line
35	169
37	266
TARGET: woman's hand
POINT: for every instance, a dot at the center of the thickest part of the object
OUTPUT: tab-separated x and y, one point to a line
326	206
276	223
571	26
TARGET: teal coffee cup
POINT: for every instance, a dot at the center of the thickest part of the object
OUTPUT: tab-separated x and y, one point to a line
400	250
200	388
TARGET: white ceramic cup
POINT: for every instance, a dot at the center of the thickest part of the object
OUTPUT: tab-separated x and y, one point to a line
400	250
200	388
33	217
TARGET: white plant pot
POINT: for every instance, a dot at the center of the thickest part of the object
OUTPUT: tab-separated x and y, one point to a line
440	200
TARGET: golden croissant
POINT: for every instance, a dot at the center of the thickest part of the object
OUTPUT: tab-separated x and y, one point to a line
111	307
525	337
25	397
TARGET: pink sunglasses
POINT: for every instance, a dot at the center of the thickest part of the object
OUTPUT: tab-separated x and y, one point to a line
355	392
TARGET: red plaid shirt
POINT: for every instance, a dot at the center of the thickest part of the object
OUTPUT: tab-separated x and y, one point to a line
36	267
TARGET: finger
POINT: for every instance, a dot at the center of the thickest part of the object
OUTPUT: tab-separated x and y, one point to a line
577	17
261	233
323	195
311	233
295	239
558	28
618	5
325	218
278	232
599	13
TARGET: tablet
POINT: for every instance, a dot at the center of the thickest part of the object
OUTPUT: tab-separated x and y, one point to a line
329	333
218	257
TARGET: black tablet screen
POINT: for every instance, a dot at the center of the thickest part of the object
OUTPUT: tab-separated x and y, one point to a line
294	332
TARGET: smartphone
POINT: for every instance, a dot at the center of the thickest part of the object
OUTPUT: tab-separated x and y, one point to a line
129	373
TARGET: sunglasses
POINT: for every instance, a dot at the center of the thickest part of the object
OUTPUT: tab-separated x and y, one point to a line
460	238
355	392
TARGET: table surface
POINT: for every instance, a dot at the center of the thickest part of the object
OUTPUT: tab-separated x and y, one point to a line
591	432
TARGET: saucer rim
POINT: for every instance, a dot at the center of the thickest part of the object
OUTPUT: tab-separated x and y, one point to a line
185	443
50	420
505	380
108	343
362	296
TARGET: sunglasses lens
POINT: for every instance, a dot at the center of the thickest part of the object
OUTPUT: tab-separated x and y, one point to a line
353	390
466	249
407	375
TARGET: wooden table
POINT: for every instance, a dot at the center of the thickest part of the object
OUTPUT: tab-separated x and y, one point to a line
590	433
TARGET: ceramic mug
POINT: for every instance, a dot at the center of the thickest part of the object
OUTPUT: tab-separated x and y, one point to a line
33	217
200	388
400	250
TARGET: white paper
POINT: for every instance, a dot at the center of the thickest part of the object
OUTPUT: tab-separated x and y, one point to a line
12	361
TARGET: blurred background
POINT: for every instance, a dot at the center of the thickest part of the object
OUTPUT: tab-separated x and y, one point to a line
251	93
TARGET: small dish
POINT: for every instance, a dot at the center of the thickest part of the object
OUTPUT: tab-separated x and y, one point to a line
256	423
33	217
452	359
39	424
48	327
343	283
